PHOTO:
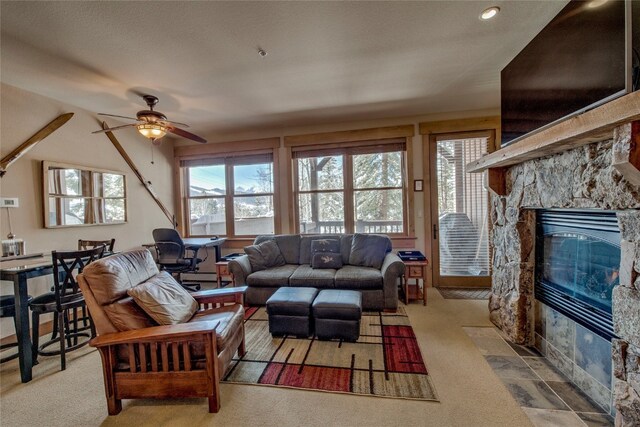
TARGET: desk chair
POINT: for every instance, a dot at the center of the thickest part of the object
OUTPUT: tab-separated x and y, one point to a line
172	255
90	244
64	301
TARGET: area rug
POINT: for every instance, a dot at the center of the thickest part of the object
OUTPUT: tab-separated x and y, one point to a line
384	362
464	293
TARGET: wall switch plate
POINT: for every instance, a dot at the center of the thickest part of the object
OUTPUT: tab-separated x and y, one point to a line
9	202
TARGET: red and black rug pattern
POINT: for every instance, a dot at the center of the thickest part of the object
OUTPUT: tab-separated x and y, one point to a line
386	360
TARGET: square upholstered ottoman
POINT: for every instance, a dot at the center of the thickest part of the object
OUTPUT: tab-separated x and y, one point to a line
336	314
289	311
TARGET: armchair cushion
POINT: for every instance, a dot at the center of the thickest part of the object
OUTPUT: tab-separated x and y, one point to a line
126	315
162	298
229	319
264	255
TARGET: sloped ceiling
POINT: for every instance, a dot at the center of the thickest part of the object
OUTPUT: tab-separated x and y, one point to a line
327	61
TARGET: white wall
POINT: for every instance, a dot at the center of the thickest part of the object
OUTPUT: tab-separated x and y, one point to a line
21	115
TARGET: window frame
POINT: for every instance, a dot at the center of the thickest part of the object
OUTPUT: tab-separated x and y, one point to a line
228	159
89	197
349	190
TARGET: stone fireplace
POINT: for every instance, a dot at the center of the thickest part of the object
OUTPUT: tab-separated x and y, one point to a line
579	179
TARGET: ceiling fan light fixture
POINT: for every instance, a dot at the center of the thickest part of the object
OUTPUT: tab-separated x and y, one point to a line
151	131
489	13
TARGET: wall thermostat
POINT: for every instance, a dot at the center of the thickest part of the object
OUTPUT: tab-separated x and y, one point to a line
8	202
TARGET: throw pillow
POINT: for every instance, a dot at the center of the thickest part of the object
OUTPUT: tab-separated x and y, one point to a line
368	250
264	255
164	299
326	260
325	245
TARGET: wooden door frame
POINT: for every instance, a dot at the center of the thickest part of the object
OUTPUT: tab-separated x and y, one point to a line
436	129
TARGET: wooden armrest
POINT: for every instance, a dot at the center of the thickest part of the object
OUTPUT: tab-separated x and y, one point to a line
220	295
155	333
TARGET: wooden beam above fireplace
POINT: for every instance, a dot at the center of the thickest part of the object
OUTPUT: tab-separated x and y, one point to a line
592	126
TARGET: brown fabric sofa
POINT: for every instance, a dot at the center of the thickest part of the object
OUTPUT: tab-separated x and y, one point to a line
379	286
143	360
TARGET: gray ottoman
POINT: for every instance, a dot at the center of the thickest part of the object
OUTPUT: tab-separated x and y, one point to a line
289	311
336	314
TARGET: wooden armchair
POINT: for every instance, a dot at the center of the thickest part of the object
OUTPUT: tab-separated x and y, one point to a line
140	360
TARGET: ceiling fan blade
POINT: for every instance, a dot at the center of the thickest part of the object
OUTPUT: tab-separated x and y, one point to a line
185	134
171	122
114	128
115	115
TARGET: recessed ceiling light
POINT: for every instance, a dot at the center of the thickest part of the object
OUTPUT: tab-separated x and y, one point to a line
489	13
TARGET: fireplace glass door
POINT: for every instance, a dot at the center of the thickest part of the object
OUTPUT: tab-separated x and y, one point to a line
584	267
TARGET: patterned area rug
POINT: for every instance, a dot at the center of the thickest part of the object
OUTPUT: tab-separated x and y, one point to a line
385	361
464	293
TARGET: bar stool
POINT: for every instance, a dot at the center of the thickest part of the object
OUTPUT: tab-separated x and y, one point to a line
66	299
8	309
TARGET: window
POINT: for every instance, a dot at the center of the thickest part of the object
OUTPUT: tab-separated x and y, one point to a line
76	195
358	189
231	196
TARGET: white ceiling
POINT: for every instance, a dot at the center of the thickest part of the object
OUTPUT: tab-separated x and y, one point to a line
327	61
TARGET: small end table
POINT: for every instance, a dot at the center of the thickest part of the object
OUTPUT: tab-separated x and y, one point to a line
222	269
415	270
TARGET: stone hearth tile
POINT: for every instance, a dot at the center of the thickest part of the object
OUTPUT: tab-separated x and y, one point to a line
548	417
593	354
511	367
540	344
544	369
524	350
572	396
493	346
560	361
533	394
592	388
560	332
596	420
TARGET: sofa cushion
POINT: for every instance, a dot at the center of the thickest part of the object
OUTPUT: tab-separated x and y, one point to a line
305	246
325	245
305	276
264	255
368	250
272	277
289	245
326	260
126	315
230	318
164	299
346	240
353	277
110	278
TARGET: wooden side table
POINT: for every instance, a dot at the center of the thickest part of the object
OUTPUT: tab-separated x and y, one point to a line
222	269
415	270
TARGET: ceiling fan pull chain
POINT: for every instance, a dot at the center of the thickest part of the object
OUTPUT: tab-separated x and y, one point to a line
152	162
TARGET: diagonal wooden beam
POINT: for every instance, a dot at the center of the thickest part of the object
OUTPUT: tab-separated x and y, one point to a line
147	184
22	149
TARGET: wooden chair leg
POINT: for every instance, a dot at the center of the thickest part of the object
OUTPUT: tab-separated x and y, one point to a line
242	350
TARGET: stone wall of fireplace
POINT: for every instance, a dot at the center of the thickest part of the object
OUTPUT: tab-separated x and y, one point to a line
582	178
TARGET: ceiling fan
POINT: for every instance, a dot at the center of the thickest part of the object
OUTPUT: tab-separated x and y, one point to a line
153	124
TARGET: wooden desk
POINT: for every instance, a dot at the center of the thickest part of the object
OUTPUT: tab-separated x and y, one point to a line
415	270
196	243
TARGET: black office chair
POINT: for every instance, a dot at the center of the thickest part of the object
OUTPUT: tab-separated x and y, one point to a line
65	300
8	309
172	256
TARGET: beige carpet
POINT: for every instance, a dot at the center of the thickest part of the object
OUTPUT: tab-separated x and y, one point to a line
470	393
